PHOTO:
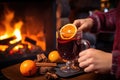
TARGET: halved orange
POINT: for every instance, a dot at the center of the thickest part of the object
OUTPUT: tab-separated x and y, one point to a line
68	31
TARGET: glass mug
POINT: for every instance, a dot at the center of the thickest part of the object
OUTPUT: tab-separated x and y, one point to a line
69	50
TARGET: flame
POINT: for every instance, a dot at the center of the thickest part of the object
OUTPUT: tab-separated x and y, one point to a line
11	30
17	32
8	16
4	36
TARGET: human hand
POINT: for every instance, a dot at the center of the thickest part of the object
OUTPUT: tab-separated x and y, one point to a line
84	24
93	60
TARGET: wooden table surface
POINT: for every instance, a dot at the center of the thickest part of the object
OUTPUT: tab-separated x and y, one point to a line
12	73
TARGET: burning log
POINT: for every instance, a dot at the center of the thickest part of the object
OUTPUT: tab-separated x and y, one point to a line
7	40
24	49
11	46
30	40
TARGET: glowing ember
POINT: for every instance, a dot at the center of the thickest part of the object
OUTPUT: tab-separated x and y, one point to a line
3	47
17	47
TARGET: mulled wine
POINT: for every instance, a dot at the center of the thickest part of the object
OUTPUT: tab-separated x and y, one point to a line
68	49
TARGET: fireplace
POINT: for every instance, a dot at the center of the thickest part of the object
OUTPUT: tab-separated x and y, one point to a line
26	29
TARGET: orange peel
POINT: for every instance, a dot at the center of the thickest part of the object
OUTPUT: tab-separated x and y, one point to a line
54	56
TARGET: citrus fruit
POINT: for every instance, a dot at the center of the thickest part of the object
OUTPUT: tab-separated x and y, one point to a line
54	56
28	68
68	31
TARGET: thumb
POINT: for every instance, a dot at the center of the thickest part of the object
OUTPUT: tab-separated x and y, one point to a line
83	27
77	23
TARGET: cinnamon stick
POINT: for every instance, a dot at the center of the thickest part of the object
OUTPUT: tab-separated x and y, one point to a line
46	64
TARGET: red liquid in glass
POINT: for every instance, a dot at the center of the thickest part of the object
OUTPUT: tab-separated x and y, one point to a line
69	49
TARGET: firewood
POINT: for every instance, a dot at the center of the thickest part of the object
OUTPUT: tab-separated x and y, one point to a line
30	40
11	46
7	40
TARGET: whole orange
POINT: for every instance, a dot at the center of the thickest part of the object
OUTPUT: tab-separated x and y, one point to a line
28	68
54	56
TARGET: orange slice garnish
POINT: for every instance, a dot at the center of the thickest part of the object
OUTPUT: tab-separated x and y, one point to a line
68	31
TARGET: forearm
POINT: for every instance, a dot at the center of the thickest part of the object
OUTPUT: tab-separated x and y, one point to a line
103	21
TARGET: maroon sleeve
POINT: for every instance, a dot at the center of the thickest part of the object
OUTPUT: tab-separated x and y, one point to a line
116	64
103	21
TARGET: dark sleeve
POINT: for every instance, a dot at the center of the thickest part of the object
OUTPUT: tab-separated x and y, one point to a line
103	21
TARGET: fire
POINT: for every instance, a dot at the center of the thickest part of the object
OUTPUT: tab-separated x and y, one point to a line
8	16
4	36
17	32
13	29
9	29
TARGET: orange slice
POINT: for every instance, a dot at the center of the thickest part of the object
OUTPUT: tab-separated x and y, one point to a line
68	31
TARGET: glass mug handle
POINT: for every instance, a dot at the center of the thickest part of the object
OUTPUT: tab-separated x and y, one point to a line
85	44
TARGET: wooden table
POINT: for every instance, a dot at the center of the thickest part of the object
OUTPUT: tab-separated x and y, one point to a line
12	73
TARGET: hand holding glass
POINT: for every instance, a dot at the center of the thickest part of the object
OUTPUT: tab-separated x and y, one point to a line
69	50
